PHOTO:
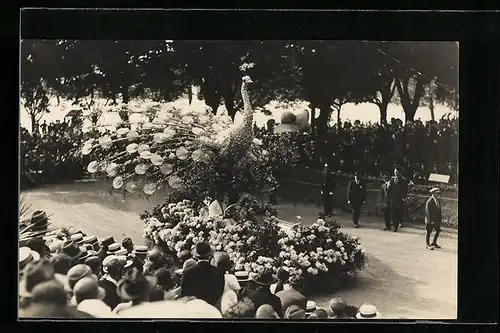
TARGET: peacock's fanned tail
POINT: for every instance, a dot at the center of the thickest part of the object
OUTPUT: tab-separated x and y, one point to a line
145	155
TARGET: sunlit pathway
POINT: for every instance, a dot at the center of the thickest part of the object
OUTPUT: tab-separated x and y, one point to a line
402	278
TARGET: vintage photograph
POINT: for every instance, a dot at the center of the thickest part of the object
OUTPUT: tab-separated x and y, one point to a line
245	179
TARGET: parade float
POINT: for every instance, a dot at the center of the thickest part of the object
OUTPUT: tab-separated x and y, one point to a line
218	176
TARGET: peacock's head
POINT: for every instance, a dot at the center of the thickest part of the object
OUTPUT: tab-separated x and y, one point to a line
247	79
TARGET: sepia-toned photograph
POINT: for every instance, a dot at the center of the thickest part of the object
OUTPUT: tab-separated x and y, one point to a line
238	179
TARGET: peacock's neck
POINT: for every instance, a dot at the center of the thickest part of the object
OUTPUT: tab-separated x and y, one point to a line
248	110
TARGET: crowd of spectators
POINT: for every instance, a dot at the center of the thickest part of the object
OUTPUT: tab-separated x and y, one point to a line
50	154
373	150
68	274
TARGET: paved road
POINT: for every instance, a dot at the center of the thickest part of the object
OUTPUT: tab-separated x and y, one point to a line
402	278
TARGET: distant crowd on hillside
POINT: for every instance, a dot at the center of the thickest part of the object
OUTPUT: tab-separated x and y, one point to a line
373	150
50	154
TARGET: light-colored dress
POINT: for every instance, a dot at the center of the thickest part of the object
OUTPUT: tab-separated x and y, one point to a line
229	297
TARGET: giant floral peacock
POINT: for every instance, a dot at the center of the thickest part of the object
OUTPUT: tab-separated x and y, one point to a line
188	149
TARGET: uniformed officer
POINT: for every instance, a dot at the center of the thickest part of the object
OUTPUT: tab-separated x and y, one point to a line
356	197
327	191
397	191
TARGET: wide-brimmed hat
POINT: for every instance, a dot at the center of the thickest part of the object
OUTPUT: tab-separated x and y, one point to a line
265	278
26	256
202	250
135	285
367	311
33	274
88	254
72	249
434	190
128	244
242	276
39	220
141	250
106	241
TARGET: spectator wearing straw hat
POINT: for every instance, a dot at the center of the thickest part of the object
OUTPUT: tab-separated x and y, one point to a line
262	294
310	307
368	311
203	280
134	289
26	256
433	218
113	269
92	241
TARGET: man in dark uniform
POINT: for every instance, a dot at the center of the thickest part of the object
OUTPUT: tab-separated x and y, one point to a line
433	217
385	203
327	191
397	191
356	197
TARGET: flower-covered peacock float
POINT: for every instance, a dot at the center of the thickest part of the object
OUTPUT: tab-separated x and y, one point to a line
188	149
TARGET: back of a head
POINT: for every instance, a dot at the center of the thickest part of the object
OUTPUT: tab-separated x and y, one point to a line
37	272
49	292
318	314
283	274
86	288
297	282
94	263
115	267
242	309
61	263
265	311
222	261
37	244
164	278
188	263
295	312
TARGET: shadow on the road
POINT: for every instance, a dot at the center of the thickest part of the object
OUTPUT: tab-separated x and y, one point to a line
393	294
97	192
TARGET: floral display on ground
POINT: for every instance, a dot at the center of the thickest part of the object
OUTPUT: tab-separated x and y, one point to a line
321	253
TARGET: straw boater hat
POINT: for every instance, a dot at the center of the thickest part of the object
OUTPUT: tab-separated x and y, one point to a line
310	307
368	311
242	276
113	248
77	238
26	256
140	250
434	190
292	122
92	240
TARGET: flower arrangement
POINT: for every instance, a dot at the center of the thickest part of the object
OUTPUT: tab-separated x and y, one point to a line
320	252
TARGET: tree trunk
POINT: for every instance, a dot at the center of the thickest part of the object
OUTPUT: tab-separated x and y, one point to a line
431	106
125	94
313	119
410	105
383	112
229	102
322	126
33	122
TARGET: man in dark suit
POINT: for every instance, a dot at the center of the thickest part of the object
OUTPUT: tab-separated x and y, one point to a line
385	203
262	293
397	191
327	191
203	280
356	196
433	217
293	295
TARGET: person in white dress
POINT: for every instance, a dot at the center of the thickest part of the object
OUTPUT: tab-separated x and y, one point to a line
231	285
